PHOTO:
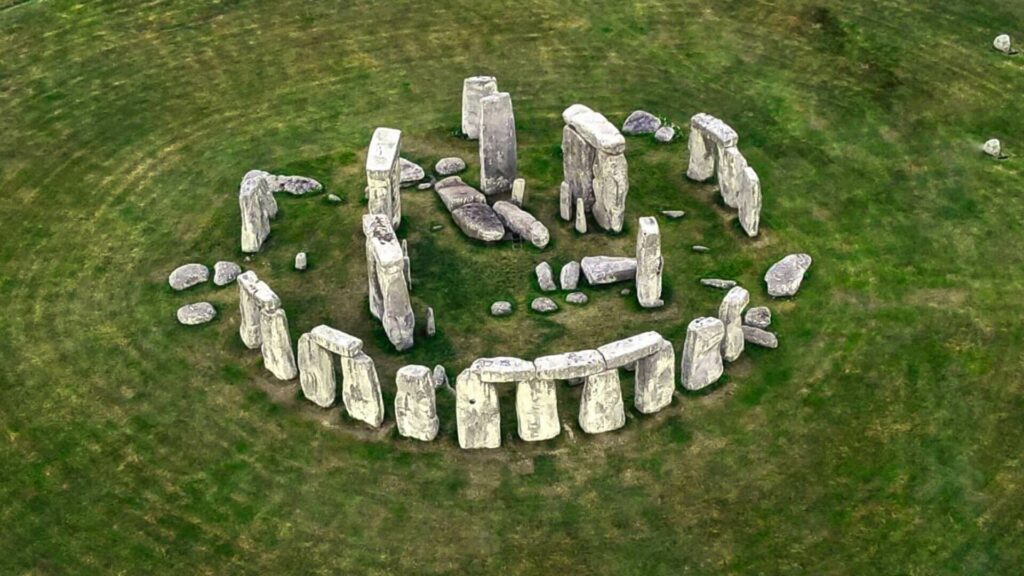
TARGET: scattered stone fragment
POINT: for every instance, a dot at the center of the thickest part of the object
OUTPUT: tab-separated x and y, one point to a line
501	308
188	275
436	228
300	261
564	202
545	277
522	223
702	355
641	122
198	313
760	337
450	166
649	263
625	292
731	313
601	406
411	173
576	298
480	222
581	216
786	275
225	272
519	192
665	134
717	283
569	277
701	249
431	326
543	305
993	148
758	317
655	379
498	160
608	269
415	403
440	377
477	414
673	214
1003	44
334	199
360	389
473	89
424	185
537	410
316	372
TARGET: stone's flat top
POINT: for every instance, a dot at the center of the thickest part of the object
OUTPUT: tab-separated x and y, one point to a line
265	298
479	221
648	225
384	148
495	98
413	372
503	369
378	230
717	283
479	79
188	275
608	269
641	122
573	110
248	281
629	350
336	341
722	133
543	305
198	313
595	129
569	365
706	324
760	337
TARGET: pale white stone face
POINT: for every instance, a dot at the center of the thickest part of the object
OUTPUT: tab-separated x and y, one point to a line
581	216
608	269
993	148
387	281
623	352
601	406
360	389
611	186
701	365
384	174
503	369
431	324
564	202
1003	43
415	403
569	277
599	133
731	167
702	157
473	89
522	223
655	379
786	275
519	192
649	263
720	133
257	206
749	201
278	355
731	315
477	413
537	410
336	341
249	324
570	365
316	372
498	154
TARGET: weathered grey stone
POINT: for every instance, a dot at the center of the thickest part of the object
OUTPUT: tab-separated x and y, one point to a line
278	354
257	206
224	272
336	341
702	353
415	403
748	201
611	186
294	185
188	275
410	172
786	275
581	216
450	166
608	269
673	214
595	129
731	314
431	326
628	350
384	174
440	377
993	148
522	223
569	277
655	379
545	277
665	134
578	159
477	415
760	337
360	389
708	137
300	261
649	263
564	202
717	283
388	286
578	298
334	199
543	305
519	193
249	310
570	365
700	249
425	185
265	297
640	122
537	410
501	308
1003	44
498	160
316	372
758	317
503	369
197	313
455	193
473	89
479	221
601	406
731	167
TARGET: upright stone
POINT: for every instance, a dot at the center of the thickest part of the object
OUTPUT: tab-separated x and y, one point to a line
749	202
649	263
731	315
519	192
498	161
545	277
702	355
581	216
601	407
431	327
316	372
415	403
655	379
388	287
569	277
477	414
611	185
256	204
384	174
249	310
731	169
578	159
278	355
537	410
473	89
564	202
709	137
360	389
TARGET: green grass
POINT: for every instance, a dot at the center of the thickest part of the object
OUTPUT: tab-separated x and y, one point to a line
884	436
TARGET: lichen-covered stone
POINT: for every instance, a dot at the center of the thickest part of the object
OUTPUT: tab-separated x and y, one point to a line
665	134
655	379
415	403
641	122
410	172
608	269
731	167
316	372
758	317
786	275
578	159
473	89
545	277
537	410
450	166
611	186
195	314
498	155
480	222
336	341
501	308
360	389
701	365
249	310
731	314
522	223
225	272
569	365
595	129
569	276
649	263
188	275
294	185
454	193
503	369
748	200
601	406
759	337
278	354
257	206
477	415
578	298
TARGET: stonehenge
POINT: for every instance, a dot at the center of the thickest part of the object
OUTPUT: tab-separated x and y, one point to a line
263	324
415	403
388	286
258	207
498	161
701	365
731	315
594	167
519	192
360	389
545	277
473	89
655	379
713	151
384	175
569	276
649	263
321	351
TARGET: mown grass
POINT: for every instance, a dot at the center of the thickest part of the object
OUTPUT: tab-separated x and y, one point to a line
883	436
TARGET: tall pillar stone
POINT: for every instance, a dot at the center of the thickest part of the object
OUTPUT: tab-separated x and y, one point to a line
537	410
360	389
498	155
316	372
249	310
649	263
709	137
415	403
278	355
731	315
257	206
578	159
701	365
589	139
388	287
384	174
601	407
477	413
473	89
581	216
611	185
655	379
565	202
749	202
731	174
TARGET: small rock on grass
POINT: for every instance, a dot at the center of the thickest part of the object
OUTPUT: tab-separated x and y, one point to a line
195	314
543	305
501	308
699	248
718	283
576	298
674	214
225	272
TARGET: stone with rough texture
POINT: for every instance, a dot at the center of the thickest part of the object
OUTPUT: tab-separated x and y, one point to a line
225	272
665	134
748	200
257	207
450	166
522	223
564	202
543	305
730	312
628	350
301	261
601	406
545	277
473	89
655	379
519	193
759	337
265	185
498	155
278	355
611	186
503	369
578	159
440	376
569	365
388	286
569	276
993	148
425	185
410	173
316	372
384	174
480	222
786	275
581	216
702	353
758	317
501	308
197	313
249	310
608	269
709	136
595	129
431	326
717	283
649	263
416	403
360	389
188	275
265	297
336	341
537	410
454	193
578	298
731	168
1003	44
641	122
477	415
294	185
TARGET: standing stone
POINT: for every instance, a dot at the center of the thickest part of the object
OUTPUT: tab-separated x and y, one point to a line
300	261
249	310
608	269
578	159
1003	44
278	355
731	314
601	407
477	414
611	185
257	206
415	403
225	272
758	317
265	190
649	263
473	89
702	354
537	410
564	202
786	275
388	287
731	169
749	202
384	174
569	277
709	137
641	122
522	223
187	276
655	379
498	161
440	376
519	192
993	148
360	389
545	277
581	216
431	327
316	372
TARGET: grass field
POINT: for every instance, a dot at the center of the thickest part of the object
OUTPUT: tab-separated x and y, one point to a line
884	436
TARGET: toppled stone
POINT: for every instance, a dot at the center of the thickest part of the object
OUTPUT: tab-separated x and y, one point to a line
1003	44
188	275
665	134
503	369
411	173
498	159
649	263
786	275
455	193
522	223
334	199
225	272
700	249
440	377
278	355
198	313
450	166
478	221
545	277
577	298
300	261
473	89
501	308
519	193
717	283
570	365
758	317
316	372
336	341
702	355
601	406
641	122
415	403
569	277
608	269
360	389
655	379
673	214
543	305
628	350
581	216
537	410
294	185
730	313
993	148
477	414
760	337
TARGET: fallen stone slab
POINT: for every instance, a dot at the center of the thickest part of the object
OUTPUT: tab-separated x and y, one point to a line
503	369
758	317
197	313
522	223
569	365
717	283
628	350
188	275
608	269
294	185
641	122
759	337
225	272
478	221
336	341
411	172
454	193
786	275
543	305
